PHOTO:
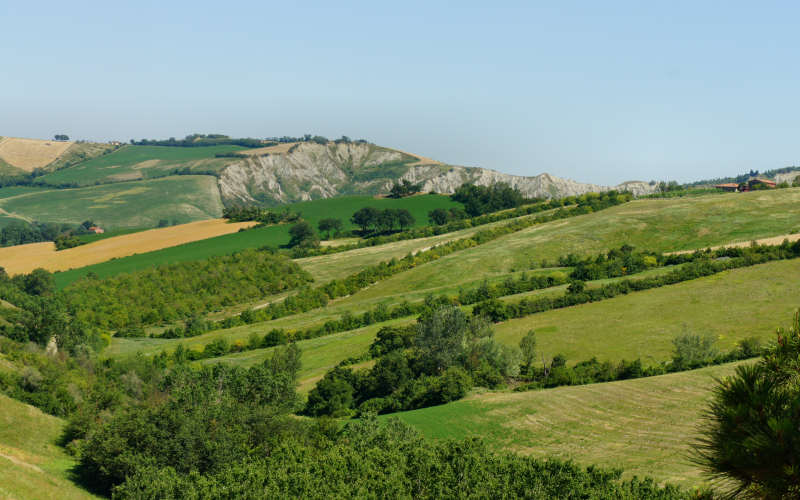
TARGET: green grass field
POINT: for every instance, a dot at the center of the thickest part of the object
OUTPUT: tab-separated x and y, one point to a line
343	207
644	426
276	236
10	191
137	204
31	465
142	162
751	301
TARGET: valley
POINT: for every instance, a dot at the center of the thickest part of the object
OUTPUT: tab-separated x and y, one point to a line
208	296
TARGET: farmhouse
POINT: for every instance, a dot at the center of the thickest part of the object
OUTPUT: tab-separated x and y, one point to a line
97	230
751	184
729	186
764	182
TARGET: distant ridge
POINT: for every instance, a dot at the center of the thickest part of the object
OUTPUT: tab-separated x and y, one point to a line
309	170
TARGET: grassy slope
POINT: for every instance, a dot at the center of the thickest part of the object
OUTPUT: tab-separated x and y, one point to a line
661	225
644	426
31	465
80	152
752	301
9	191
137	162
279	235
123	205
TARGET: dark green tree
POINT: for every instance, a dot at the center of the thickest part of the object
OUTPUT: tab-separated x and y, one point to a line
528	348
438	216
365	218
751	439
386	219
302	235
404	218
329	226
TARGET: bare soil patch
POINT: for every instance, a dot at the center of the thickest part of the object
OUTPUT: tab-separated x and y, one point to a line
421	160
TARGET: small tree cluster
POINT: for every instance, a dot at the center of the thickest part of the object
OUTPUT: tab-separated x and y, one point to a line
373	220
401	189
448	354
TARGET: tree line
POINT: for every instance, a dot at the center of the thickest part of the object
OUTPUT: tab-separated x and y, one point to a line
561	208
204	140
259	214
479	200
371	220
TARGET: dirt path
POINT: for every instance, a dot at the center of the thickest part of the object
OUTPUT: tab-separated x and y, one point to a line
22	463
774	240
421	160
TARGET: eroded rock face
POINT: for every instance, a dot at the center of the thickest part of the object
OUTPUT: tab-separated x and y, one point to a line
786	177
313	171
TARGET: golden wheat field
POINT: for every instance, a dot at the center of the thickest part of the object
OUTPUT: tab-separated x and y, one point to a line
28	154
25	258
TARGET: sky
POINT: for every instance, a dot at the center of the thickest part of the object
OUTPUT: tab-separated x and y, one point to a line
599	92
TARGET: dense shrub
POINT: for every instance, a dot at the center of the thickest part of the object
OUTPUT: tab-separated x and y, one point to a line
751	438
180	291
439	361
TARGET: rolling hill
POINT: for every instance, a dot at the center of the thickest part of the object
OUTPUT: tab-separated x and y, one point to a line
644	425
270	175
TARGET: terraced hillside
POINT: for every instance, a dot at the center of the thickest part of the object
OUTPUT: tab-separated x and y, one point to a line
623	327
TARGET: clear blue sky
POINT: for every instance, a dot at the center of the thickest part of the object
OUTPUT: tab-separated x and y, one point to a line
595	91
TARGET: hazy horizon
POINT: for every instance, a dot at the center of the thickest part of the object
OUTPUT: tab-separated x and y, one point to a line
596	93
